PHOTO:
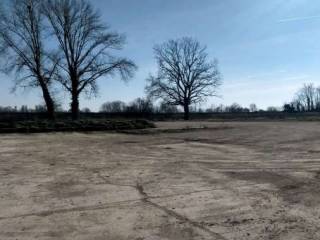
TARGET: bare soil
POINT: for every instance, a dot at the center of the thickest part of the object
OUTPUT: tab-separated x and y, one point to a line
182	181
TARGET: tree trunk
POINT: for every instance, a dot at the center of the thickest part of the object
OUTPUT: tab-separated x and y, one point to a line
75	107
50	107
186	112
49	102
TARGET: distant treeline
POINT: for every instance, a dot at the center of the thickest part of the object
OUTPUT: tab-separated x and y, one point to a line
157	116
307	99
144	105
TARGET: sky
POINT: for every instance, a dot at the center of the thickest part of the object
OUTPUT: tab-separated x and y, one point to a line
266	49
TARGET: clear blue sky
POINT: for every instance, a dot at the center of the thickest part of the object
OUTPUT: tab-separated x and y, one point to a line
266	48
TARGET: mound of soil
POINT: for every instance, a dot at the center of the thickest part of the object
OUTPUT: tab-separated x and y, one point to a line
73	126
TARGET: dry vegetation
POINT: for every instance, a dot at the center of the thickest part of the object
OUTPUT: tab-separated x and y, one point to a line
243	181
86	125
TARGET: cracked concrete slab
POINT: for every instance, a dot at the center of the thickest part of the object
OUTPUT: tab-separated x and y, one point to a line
203	180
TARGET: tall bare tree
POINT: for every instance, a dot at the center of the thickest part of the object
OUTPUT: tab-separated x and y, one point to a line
22	36
185	74
317	99
85	46
306	95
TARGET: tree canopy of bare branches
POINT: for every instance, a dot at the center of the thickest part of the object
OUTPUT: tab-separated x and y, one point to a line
86	48
113	107
22	47
185	74
306	96
307	99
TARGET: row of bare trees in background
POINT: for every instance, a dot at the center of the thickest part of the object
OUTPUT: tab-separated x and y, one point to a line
64	41
139	105
146	105
307	99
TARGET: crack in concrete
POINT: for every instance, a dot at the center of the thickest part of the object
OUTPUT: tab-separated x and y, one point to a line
146	199
201	191
137	187
90	208
46	213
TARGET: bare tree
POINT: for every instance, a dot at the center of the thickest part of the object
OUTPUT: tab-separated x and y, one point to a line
253	107
22	47
113	107
216	109
167	108
236	108
141	105
317	99
85	46
307	97
297	105
273	109
185	75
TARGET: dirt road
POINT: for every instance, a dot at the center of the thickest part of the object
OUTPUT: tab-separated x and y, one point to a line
241	181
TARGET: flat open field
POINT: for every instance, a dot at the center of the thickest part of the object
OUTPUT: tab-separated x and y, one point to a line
241	181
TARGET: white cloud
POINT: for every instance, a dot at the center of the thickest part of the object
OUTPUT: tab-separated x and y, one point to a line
295	19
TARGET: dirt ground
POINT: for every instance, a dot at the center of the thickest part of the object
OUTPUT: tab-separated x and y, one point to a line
221	181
